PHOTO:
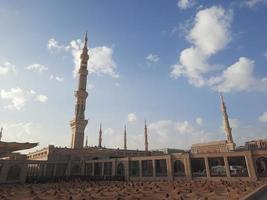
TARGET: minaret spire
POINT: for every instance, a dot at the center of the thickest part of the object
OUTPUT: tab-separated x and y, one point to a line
79	122
146	141
85	40
226	124
125	138
100	136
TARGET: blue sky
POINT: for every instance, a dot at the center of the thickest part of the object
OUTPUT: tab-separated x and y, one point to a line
163	61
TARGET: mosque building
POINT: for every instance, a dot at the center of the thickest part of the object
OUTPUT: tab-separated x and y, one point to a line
214	160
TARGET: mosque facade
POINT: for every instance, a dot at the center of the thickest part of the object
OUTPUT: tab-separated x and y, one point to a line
213	160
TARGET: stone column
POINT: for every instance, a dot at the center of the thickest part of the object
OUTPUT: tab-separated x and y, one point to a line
154	168
250	166
4	172
113	168
226	165
40	169
207	167
83	168
169	167
30	170
103	163
68	170
140	168
45	167
23	173
126	168
93	168
55	169
187	165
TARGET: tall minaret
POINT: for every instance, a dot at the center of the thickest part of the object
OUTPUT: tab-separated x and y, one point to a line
226	125
146	141
100	136
79	123
125	138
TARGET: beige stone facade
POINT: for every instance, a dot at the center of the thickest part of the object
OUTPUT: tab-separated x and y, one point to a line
247	165
256	144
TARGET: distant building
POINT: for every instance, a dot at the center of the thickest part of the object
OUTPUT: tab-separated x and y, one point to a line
210	147
256	144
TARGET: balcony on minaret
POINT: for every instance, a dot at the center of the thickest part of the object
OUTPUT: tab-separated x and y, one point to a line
81	94
83	70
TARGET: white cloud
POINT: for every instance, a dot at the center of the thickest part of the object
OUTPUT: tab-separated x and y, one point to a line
234	123
184	4
100	62
75	47
54	46
263	117
160	127
108	132
180	134
37	67
91	86
17	131
41	98
132	117
265	54
57	78
184	127
193	62
111	138
7	67
216	19
237	77
152	57
199	120
18	97
253	3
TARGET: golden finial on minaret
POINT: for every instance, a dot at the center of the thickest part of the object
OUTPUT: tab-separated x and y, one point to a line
100	136
125	138
226	124
146	141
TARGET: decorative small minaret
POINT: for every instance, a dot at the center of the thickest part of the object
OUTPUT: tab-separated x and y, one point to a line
1	133
79	123
226	125
100	136
146	141
125	138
